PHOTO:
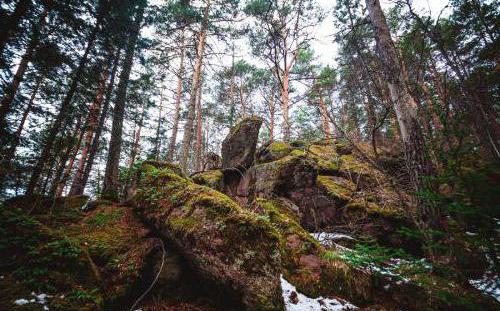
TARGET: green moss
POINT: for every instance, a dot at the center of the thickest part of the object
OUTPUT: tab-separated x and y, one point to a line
219	233
307	265
280	147
337	187
350	163
244	120
184	224
325	156
374	209
213	179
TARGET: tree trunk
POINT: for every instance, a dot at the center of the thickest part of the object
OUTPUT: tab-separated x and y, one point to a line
111	183
285	106
272	112
199	132
178	96
231	92
157	147
11	89
12	22
242	100
324	116
188	128
92	120
136	138
61	184
372	123
79	185
63	114
404	106
11	151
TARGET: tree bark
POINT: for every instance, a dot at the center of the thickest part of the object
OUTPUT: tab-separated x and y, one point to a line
92	120
178	96
78	185
11	151
188	128
157	148
61	184
324	116
11	89
111	183
404	106
64	112
199	132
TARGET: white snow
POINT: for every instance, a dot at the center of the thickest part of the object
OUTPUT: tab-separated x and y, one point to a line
21	302
327	239
37	298
489	283
304	303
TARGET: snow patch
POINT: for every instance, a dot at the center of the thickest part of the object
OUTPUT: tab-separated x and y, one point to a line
328	239
295	301
489	283
37	298
21	302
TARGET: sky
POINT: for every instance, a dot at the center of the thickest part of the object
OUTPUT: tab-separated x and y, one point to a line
326	49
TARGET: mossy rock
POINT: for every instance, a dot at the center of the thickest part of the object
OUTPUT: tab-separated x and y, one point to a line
319	272
273	151
39	204
338	188
230	247
308	266
213	179
293	171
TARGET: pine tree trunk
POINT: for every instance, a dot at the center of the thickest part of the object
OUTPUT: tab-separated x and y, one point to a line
178	97
272	112
199	132
285	106
404	106
327	130
63	114
158	129
242	100
11	151
79	185
12	22
111	183
11	89
231	91
188	128
92	120
61	184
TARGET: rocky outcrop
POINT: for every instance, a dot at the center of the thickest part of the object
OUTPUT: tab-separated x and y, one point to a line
226	245
238	148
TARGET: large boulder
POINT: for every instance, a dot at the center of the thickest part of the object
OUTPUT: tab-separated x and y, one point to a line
238	148
229	247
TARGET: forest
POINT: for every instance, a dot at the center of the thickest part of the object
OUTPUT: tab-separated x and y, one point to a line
205	155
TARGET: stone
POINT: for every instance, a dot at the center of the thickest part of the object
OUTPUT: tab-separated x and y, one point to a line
231	248
238	148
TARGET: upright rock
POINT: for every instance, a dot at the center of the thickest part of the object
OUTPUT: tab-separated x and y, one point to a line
238	148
